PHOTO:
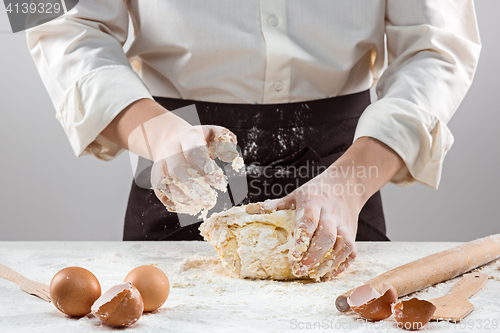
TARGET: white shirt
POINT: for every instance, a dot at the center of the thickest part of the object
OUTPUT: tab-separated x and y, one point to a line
267	51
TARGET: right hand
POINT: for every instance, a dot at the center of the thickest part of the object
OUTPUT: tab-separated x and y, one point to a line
184	169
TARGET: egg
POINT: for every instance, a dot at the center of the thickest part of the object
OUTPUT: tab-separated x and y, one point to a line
369	304
413	314
73	290
120	306
153	285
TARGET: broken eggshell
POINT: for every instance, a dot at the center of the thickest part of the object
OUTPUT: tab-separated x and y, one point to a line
120	306
369	304
413	314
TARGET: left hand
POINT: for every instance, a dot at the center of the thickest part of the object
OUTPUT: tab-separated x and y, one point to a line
327	221
327	208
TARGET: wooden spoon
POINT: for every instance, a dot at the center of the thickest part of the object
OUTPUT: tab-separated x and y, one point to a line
455	305
31	287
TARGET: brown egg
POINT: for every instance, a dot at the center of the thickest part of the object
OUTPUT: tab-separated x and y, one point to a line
153	285
120	306
73	290
413	314
369	304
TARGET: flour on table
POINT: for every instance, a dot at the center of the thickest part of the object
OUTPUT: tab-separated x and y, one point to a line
205	264
203	300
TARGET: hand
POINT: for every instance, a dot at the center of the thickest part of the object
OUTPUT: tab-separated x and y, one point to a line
184	169
326	226
327	208
183	154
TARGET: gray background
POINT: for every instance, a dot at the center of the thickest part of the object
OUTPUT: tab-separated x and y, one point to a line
46	193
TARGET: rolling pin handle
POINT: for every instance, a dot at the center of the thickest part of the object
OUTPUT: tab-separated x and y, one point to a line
341	303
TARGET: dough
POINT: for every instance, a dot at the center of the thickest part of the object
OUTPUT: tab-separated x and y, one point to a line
253	243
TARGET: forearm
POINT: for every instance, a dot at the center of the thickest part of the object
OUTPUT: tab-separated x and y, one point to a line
367	165
135	124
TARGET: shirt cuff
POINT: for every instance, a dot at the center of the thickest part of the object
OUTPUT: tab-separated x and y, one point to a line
92	102
416	135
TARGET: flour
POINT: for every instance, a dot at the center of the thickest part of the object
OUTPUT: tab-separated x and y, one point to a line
250	150
207	265
204	298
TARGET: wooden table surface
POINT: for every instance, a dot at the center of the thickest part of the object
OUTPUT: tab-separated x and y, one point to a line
205	299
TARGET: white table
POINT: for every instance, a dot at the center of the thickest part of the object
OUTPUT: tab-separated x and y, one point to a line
204	299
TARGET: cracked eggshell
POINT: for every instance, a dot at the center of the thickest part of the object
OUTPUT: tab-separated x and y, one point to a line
153	285
369	304
120	306
73	290
413	314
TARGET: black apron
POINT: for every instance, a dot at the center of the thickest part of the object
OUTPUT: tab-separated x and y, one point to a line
283	145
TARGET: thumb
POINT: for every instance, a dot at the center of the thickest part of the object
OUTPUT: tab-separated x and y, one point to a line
215	133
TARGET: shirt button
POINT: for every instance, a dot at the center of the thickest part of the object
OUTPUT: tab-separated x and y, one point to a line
273	21
278	85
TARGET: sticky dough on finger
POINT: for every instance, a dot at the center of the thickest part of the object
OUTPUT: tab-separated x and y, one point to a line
223	146
328	264
217	179
198	187
201	197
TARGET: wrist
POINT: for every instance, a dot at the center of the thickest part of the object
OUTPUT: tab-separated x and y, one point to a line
364	169
144	127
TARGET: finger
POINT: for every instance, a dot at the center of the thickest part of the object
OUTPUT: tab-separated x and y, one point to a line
222	143
165	195
189	181
343	254
199	159
177	195
333	258
322	242
163	185
169	204
177	166
196	153
173	197
159	176
307	218
167	186
217	179
345	264
287	202
344	247
200	192
218	134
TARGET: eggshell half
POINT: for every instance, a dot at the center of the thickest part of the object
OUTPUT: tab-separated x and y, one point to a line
369	304
153	285
119	306
73	290
413	314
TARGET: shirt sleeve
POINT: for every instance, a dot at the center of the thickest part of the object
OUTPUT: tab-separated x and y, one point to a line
82	64
433	48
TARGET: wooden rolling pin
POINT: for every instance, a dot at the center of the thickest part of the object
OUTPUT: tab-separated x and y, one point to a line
434	268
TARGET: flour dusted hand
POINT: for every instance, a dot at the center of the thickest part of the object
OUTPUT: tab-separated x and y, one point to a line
326	225
184	173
